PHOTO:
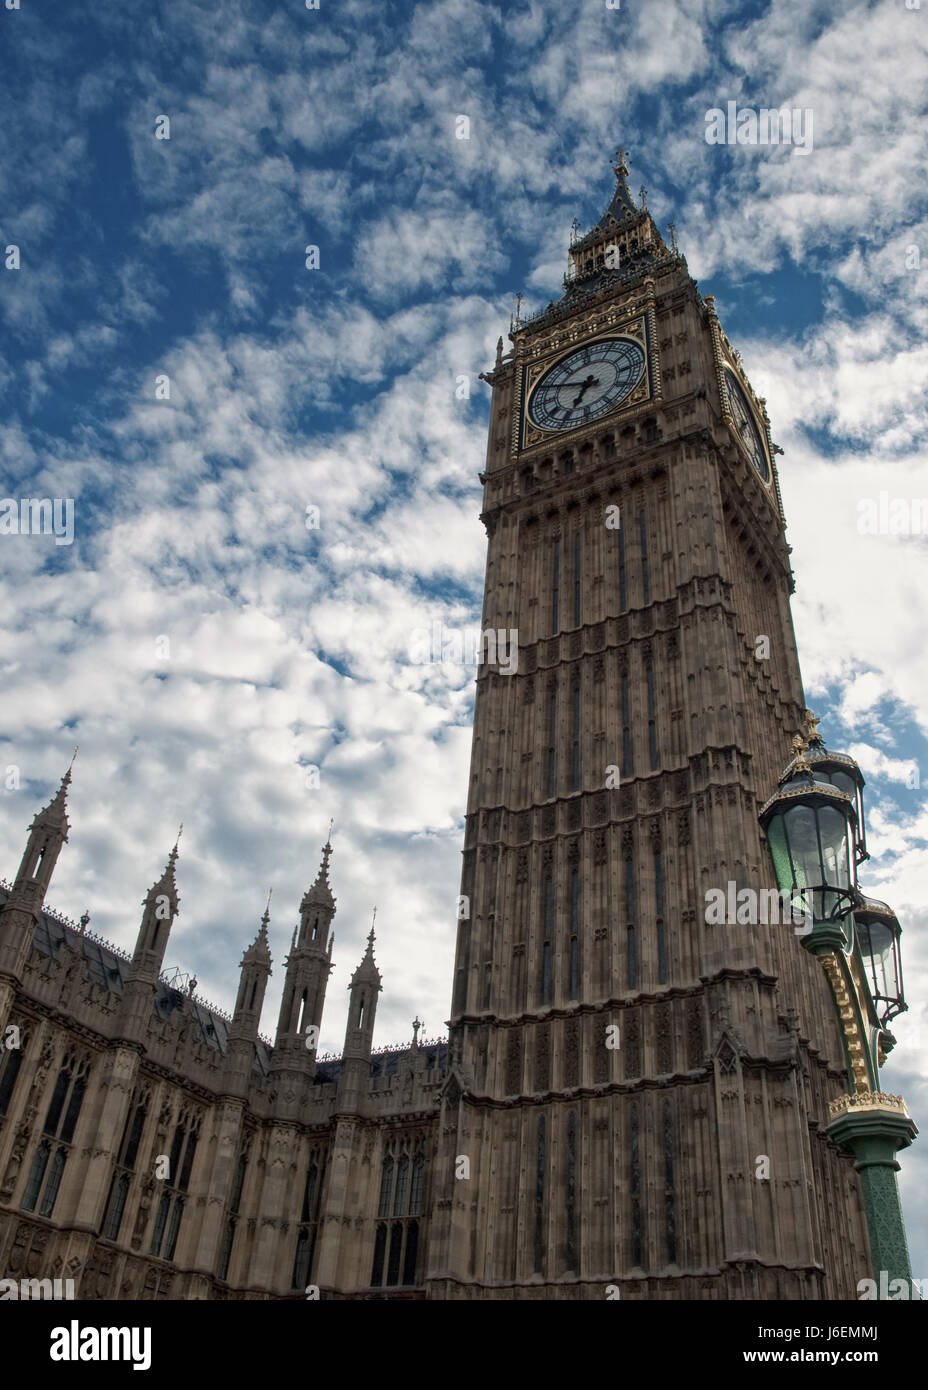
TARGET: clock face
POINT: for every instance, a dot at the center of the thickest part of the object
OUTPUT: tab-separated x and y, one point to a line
587	384
746	426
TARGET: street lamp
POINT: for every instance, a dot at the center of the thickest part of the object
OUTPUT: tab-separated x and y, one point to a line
814	824
811	828
878	934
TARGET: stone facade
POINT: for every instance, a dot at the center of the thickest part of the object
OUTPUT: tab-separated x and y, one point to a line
629	1096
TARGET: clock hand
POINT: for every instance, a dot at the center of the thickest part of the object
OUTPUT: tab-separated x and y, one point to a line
590	381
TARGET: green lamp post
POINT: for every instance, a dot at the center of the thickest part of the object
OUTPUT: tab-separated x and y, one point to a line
814	824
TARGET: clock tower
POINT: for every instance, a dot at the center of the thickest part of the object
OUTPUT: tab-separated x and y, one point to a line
639	1090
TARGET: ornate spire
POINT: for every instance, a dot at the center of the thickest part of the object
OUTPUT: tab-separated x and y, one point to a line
54	816
259	950
367	970
320	894
166	885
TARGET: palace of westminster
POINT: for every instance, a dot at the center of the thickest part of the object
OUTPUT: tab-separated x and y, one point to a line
615	1065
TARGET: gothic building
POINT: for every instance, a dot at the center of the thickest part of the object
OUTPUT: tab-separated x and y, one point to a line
617	1067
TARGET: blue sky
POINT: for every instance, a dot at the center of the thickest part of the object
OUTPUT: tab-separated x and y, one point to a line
335	387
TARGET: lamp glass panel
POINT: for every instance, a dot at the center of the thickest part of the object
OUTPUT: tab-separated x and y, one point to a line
835	834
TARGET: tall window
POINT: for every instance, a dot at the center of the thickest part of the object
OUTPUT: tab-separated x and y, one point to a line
58	1131
552	743
577	580
645	581
396	1237
572	1191
540	1158
627	759
574	973
547	945
555	586
174	1195
228	1235
623	587
670	1211
659	910
309	1220
652	716
575	739
125	1166
630	920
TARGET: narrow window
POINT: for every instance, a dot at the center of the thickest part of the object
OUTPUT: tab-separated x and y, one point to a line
555	585
634	1188
630	916
540	1197
572	1191
652	716
574	933
645	582
402	1186
412	1249
575	740
548	914
380	1247
627	761
418	1177
10	1062
623	588
39	1164
659	904
552	743
669	1196
396	1246
577	580
386	1187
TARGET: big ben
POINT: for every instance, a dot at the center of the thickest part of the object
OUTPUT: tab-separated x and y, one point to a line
638	1092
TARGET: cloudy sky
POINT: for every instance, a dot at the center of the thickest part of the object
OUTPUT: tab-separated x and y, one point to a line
175	361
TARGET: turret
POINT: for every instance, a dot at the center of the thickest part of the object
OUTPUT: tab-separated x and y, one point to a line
354	1076
308	966
160	907
246	1017
47	833
255	972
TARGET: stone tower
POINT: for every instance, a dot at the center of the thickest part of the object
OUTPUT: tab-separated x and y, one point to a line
639	1093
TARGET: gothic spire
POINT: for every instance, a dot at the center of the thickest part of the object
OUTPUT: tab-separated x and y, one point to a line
367	970
320	894
54	816
259	951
